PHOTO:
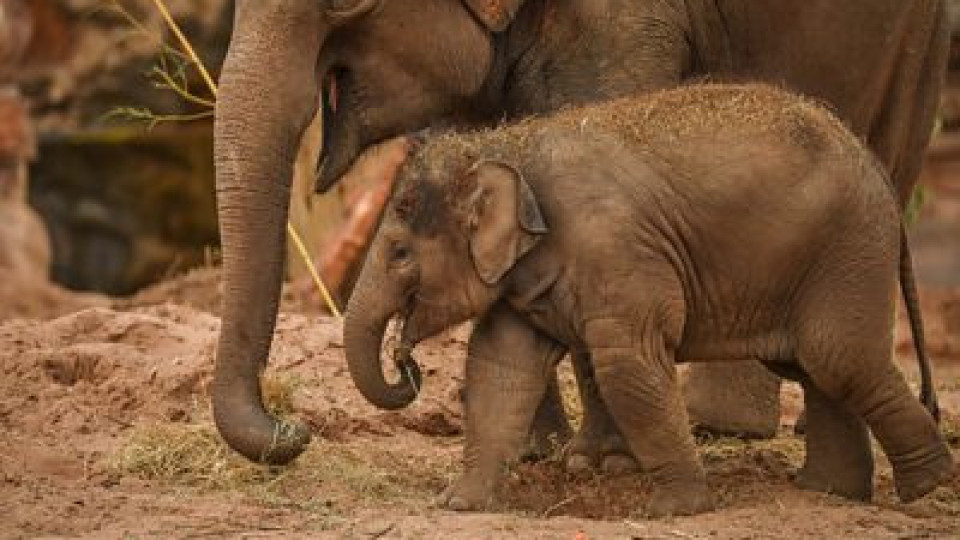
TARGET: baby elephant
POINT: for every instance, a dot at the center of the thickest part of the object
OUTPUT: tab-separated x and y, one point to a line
702	224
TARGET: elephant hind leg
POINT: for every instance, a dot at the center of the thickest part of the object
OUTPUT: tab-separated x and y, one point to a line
741	399
839	458
599	442
851	366
551	429
907	433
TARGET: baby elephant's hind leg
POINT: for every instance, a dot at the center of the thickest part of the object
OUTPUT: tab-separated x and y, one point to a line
846	353
551	430
599	442
839	459
907	433
741	399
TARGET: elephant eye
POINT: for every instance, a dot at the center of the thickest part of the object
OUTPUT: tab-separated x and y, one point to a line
400	254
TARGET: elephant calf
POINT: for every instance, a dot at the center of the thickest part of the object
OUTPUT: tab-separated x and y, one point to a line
698	224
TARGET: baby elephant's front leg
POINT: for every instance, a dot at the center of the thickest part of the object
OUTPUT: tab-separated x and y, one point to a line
638	381
507	371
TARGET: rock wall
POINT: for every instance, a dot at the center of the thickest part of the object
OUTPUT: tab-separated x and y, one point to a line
85	58
124	205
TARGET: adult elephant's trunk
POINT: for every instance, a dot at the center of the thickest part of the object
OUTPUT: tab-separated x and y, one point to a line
368	314
268	95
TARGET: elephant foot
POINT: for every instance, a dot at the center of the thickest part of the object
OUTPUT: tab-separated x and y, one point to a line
578	463
680	499
740	399
467	494
922	478
618	464
608	452
600	445
612	464
848	483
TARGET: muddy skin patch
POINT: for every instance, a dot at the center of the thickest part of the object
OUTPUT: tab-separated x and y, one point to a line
421	206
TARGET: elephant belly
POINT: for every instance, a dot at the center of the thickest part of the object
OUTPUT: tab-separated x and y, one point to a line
768	347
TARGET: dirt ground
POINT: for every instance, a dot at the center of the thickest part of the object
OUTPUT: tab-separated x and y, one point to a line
105	432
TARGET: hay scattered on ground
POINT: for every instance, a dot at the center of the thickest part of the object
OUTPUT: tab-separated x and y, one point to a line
194	456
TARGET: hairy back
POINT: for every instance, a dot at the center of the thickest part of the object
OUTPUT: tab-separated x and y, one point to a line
661	123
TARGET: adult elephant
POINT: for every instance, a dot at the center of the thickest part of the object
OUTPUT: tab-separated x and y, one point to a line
385	67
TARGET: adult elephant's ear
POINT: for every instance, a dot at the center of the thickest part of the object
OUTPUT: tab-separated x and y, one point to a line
503	219
495	14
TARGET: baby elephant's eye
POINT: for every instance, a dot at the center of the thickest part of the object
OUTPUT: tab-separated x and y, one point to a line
400	254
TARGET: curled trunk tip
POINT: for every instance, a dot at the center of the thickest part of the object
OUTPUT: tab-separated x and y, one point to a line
363	340
252	432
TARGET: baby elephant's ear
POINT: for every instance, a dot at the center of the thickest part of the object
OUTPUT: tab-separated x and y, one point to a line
504	219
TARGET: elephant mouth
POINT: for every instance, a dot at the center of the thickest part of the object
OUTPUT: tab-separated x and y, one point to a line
403	360
331	91
335	156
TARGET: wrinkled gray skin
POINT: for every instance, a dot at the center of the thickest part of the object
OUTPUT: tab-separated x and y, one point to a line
647	250
400	65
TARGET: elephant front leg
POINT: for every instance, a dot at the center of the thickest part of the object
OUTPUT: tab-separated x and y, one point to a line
637	379
506	377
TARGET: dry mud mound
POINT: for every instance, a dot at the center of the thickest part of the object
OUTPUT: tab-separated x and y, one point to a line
96	372
202	289
99	371
105	432
28	298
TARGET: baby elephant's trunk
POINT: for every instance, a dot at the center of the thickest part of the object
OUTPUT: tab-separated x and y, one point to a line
364	328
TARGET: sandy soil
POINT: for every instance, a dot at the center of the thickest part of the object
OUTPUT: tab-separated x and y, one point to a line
105	433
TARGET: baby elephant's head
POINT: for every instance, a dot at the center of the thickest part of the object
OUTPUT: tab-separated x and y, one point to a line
449	237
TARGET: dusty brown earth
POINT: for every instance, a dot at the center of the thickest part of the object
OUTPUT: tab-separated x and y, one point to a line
105	433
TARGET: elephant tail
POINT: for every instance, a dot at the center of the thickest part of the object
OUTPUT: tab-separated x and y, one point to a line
908	286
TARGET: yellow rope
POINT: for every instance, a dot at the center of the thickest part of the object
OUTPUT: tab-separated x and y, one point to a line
302	250
294	235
